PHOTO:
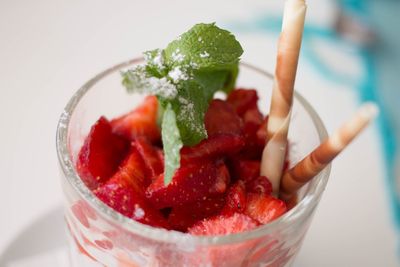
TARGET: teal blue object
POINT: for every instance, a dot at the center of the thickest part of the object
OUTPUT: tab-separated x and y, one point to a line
382	61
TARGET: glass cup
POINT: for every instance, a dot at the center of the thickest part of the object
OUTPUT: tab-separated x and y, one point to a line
100	236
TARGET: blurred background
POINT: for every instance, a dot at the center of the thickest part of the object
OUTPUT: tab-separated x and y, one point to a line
350	54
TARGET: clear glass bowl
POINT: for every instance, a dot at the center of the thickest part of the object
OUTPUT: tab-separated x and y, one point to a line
99	236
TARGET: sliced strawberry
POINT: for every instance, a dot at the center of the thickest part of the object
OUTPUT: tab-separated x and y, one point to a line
191	182
142	121
262	132
260	185
124	192
235	198
215	146
243	100
100	154
182	217
120	196
264	208
151	156
222	119
223	179
245	170
252	120
223	225
133	171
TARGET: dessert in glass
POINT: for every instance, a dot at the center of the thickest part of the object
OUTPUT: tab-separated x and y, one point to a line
101	236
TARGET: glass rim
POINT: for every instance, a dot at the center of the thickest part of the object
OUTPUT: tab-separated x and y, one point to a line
307	203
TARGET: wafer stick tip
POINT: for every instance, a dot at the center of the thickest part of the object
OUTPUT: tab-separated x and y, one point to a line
369	110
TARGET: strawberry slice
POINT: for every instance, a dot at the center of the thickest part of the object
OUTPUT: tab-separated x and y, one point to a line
142	121
264	208
235	199
100	154
223	225
221	118
252	120
262	132
245	170
213	147
123	198
184	216
124	192
243	100
152	157
260	185
191	182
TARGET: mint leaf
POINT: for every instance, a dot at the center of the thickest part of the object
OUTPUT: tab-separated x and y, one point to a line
185	77
211	81
155	63
204	46
172	143
139	80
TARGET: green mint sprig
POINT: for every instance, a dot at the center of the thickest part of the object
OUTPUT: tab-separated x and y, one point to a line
185	76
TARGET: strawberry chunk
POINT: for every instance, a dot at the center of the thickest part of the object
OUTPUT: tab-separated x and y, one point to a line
119	195
223	225
245	170
191	182
142	121
100	154
260	185
221	118
152	157
123	198
133	171
252	120
243	100
213	147
264	208
184	216
124	192
223	179
262	132
235	199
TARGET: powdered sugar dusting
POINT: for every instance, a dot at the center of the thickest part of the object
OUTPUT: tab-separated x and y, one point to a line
140	82
187	113
194	65
177	55
176	74
204	54
157	60
138	213
162	87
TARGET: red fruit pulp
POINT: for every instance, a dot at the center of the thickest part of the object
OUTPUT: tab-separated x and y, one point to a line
190	183
222	119
264	208
142	121
100	154
222	225
124	192
243	100
123	164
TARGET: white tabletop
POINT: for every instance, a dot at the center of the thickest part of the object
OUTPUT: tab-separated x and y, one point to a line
49	48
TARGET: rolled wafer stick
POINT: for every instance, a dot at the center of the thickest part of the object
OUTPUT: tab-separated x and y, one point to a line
319	158
282	94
